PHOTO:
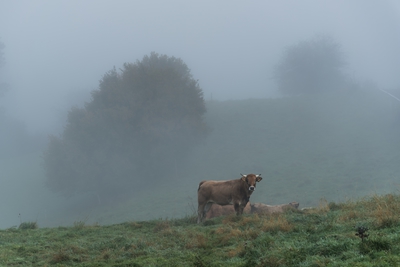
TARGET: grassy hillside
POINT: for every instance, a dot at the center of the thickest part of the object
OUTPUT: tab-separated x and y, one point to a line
337	146
325	236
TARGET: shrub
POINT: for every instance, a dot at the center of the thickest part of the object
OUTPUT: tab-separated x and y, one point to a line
310	67
371	245
28	225
148	117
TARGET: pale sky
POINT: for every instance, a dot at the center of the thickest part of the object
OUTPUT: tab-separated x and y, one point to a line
57	51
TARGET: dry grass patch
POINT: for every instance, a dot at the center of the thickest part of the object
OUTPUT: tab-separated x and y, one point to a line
237	251
271	261
60	256
276	223
68	253
251	233
28	225
226	235
385	210
201	241
135	225
196	241
250	220
162	226
257	223
323	206
348	216
233	218
106	254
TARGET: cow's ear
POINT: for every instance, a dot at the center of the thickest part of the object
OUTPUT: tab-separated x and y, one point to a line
258	178
243	177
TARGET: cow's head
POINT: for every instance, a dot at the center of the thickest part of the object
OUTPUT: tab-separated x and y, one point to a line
251	180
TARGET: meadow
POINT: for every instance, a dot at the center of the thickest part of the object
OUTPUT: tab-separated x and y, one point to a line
328	235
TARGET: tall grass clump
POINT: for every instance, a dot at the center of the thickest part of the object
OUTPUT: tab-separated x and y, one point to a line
276	223
385	210
28	225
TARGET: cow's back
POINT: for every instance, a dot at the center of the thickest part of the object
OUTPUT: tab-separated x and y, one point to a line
217	191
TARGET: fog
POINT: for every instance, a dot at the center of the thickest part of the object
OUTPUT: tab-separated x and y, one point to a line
57	51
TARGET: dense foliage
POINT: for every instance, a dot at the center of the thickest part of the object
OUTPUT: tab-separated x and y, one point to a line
323	236
141	123
311	66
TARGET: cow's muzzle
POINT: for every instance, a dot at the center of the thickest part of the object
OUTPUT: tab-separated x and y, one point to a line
252	188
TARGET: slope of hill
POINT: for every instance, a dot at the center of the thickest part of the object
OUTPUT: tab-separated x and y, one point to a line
363	233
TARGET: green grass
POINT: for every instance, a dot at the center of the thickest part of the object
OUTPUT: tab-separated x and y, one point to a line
324	236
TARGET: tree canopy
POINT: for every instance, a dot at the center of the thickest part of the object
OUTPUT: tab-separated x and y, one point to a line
142	121
311	66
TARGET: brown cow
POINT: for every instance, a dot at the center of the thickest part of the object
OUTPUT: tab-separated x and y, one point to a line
218	210
236	192
268	209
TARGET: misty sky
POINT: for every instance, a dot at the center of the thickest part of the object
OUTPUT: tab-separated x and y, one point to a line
57	51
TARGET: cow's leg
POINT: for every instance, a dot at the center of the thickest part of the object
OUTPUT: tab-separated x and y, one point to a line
202	210
200	213
206	209
237	208
241	208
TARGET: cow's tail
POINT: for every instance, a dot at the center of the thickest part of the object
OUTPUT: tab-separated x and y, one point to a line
202	182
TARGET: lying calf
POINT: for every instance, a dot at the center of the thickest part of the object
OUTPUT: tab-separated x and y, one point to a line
261	208
218	210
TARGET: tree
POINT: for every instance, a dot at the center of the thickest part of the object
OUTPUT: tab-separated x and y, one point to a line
140	123
310	67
